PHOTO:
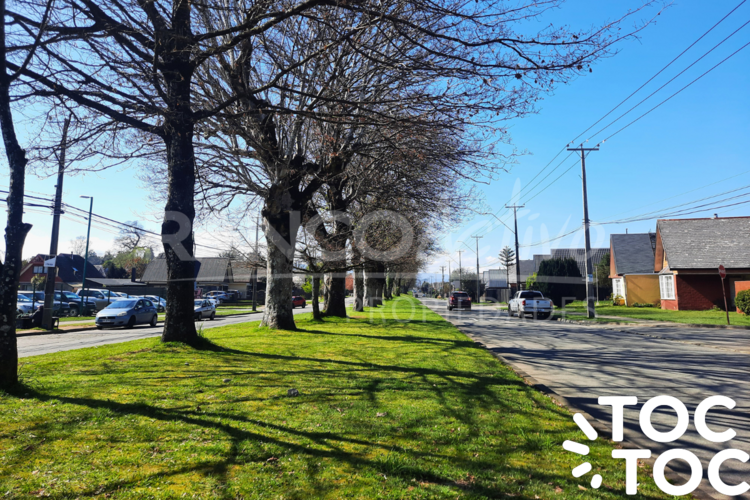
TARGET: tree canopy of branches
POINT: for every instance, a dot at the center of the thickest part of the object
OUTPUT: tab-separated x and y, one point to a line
279	99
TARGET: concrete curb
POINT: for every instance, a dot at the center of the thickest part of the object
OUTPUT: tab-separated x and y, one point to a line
602	428
87	328
651	322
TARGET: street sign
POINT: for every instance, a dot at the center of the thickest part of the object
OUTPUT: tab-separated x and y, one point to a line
722	272
590	278
50	262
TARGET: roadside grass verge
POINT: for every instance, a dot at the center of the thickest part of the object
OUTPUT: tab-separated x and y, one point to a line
711	317
394	403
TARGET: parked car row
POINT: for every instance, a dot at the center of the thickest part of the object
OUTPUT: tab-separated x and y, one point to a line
81	303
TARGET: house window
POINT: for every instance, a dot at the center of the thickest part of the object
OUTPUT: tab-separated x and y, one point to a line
666	287
38	269
617	287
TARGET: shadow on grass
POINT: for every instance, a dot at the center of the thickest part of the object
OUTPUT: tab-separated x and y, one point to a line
395	461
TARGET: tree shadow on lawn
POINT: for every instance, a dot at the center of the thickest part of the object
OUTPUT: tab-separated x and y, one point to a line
395	462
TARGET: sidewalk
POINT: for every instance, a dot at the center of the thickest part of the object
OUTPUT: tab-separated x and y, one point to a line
735	339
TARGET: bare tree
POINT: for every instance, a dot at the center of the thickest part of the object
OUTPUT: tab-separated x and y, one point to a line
131	236
78	246
15	229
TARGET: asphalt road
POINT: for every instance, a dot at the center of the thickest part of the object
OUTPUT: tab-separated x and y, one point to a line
43	344
582	362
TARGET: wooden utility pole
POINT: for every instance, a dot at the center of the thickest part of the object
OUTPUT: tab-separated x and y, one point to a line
477	238
590	307
49	286
515	232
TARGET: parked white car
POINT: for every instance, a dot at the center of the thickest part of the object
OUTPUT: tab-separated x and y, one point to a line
530	302
217	295
204	309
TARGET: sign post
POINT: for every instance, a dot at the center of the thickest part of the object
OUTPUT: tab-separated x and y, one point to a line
723	274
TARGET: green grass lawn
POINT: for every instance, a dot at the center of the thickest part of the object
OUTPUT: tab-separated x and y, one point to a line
387	409
657	314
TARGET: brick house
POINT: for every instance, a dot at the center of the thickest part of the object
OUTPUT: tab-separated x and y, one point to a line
69	272
687	257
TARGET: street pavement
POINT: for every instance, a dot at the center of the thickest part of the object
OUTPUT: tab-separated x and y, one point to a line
582	362
33	345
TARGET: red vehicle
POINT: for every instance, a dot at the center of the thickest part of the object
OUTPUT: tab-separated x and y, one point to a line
459	300
298	302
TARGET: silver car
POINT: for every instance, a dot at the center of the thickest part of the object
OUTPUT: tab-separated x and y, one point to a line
204	309
24	304
127	313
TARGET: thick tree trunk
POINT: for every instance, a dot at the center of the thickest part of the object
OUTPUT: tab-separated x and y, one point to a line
372	299
397	287
177	233
15	229
179	212
281	238
359	289
316	297
336	305
388	286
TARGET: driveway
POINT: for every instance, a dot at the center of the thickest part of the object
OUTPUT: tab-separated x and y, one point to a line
582	362
43	344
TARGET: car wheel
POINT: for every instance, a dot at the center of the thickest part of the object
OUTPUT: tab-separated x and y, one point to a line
131	322
154	320
450	308
197	317
213	315
73	312
99	327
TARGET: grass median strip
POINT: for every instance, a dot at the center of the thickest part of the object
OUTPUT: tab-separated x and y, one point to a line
710	317
393	403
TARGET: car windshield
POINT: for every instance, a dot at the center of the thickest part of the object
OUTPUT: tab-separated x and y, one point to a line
122	304
198	303
23	298
531	295
71	295
462	295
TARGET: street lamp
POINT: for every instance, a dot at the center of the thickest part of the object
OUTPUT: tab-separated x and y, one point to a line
86	256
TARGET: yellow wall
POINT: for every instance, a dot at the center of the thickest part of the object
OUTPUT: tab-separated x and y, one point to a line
642	288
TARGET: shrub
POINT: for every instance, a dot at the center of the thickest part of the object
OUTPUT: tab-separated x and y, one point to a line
556	279
742	301
640	304
618	300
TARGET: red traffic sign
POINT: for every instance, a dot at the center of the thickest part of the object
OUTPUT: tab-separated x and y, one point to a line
722	272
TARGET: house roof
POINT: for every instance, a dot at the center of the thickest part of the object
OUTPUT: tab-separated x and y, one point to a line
579	255
69	267
243	272
633	253
207	270
706	243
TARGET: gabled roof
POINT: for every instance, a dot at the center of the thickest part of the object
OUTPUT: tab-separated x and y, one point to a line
633	253
706	243
207	270
69	267
579	255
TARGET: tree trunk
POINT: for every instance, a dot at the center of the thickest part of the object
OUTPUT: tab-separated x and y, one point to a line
388	282
179	325
372	299
281	238
359	289
15	229
397	287
336	305
316	297
179	212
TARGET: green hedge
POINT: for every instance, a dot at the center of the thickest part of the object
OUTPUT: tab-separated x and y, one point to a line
742	301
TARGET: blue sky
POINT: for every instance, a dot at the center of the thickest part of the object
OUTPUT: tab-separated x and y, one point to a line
686	146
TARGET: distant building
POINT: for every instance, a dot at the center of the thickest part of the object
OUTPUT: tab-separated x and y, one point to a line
69	272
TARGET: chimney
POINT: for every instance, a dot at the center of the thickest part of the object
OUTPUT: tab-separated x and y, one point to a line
716	216
132	275
626	230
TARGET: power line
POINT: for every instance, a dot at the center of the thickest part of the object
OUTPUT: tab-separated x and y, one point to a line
661	70
671	80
